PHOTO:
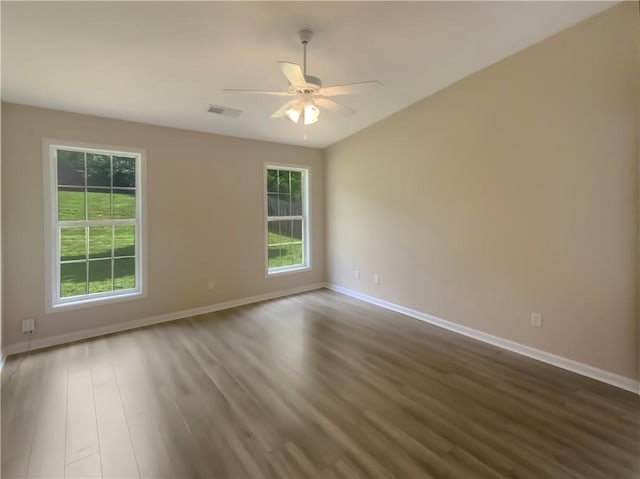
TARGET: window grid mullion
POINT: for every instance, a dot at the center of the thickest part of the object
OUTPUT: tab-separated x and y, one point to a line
80	224
86	255
113	252
69	261
290	195
284	218
111	199
86	228
113	228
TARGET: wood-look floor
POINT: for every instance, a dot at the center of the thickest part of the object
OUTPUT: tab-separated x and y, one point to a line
312	386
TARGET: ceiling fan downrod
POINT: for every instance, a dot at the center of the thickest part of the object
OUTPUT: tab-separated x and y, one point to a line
305	36
304	60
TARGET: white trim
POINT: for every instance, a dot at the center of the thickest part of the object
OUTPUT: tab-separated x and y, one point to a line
97	299
139	323
53	303
306	218
288	270
559	361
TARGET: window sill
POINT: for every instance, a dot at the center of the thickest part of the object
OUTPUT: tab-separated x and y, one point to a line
280	272
97	301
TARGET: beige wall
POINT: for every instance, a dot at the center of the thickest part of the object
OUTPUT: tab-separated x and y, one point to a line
2	356
513	191
204	217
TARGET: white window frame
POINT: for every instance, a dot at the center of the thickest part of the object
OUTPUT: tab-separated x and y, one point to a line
53	302
306	220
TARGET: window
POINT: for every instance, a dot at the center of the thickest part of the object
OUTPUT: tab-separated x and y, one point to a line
94	224
287	212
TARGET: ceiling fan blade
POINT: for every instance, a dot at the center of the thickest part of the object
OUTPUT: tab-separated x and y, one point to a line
259	92
334	106
293	72
351	88
279	113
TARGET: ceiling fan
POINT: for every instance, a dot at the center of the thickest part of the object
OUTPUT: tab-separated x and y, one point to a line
308	92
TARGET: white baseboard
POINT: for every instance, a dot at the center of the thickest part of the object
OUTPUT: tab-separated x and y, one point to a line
564	363
40	343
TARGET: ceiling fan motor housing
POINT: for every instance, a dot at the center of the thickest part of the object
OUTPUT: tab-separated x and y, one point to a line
312	85
305	35
313	80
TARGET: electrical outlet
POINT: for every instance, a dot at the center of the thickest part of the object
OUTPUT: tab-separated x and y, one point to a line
356	273
28	325
211	284
536	320
376	278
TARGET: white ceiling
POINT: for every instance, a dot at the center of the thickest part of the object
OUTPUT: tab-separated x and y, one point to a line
164	63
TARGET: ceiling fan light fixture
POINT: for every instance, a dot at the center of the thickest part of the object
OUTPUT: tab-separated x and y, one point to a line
294	113
311	114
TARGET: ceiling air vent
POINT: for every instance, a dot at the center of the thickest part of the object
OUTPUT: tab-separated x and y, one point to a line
224	111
